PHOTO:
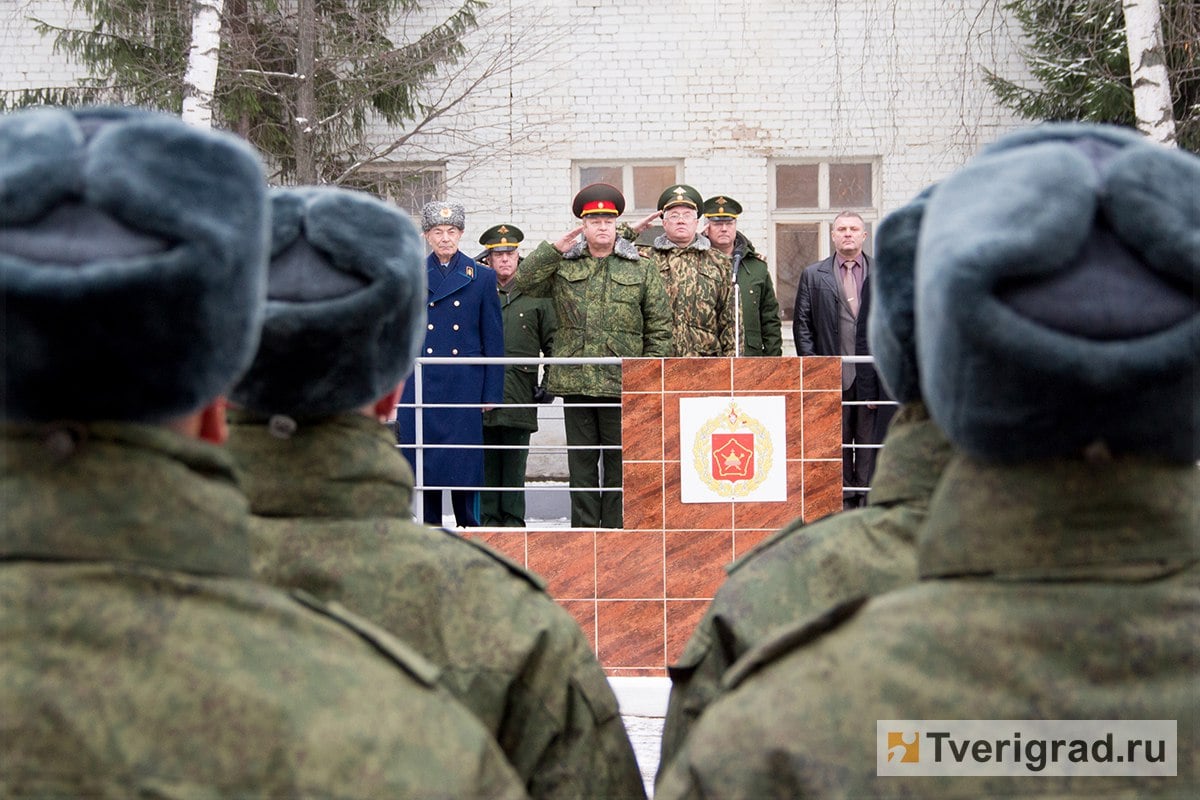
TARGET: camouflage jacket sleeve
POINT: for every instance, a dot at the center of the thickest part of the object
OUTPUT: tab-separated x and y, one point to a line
657	329
590	755
728	334
535	272
695	683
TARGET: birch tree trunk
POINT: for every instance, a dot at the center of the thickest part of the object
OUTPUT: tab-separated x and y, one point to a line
200	79
1148	70
306	102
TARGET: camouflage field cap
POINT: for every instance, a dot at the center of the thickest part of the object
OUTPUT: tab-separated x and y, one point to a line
132	264
722	207
1057	311
680	194
442	213
345	313
598	198
501	238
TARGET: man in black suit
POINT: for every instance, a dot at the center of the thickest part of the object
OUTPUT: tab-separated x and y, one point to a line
830	308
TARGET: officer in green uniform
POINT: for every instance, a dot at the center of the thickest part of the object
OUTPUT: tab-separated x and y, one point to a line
1057	332
140	659
608	302
759	322
332	499
805	570
529	326
698	278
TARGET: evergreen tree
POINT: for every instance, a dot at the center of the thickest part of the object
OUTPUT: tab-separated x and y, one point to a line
301	79
1078	55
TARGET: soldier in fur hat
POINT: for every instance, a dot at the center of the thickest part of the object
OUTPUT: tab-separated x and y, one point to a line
345	320
140	657
1057	333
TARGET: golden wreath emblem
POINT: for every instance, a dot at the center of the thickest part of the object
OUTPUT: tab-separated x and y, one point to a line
733	453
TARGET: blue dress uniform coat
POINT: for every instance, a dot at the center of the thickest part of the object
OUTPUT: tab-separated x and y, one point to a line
464	321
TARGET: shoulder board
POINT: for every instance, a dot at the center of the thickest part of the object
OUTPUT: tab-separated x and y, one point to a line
385	643
784	533
512	566
793	637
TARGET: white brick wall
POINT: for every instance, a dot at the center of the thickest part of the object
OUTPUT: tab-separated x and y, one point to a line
725	87
26	58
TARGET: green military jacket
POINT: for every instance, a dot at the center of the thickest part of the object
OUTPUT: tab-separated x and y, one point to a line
762	328
1061	590
804	570
606	307
529	326
699	284
334	509
139	660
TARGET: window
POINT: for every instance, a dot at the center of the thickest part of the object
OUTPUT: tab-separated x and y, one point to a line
408	185
640	182
807	196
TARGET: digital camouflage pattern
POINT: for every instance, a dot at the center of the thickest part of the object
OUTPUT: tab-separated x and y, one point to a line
762	328
699	283
529	326
804	570
139	660
606	307
333	506
1052	590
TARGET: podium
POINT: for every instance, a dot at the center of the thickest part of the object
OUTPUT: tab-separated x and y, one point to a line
719	453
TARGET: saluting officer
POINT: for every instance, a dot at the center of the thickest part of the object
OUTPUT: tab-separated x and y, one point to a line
463	321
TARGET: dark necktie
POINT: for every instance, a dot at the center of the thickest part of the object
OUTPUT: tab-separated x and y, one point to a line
850	286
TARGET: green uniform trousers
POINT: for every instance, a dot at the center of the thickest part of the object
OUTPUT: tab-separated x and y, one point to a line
593	473
504	468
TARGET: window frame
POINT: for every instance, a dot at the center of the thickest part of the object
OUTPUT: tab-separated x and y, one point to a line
822	215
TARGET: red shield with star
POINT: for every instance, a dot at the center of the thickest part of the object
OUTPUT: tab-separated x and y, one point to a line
733	456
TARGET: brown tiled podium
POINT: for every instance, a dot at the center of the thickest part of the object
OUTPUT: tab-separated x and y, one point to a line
639	591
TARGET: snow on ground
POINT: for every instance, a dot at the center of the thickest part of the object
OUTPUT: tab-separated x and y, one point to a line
643	705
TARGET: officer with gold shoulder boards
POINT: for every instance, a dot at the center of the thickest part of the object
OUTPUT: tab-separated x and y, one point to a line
529	325
464	320
760	326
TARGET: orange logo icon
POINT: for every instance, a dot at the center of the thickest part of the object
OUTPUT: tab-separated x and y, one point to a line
904	748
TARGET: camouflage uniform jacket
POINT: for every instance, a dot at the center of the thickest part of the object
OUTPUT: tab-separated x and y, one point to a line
139	660
699	284
333	506
611	306
529	326
804	570
762	328
1054	590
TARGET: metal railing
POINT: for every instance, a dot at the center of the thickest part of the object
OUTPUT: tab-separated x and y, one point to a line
419	445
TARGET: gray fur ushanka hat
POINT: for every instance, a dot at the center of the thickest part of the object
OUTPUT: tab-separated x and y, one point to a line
346	305
891	327
132	264
1058	298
